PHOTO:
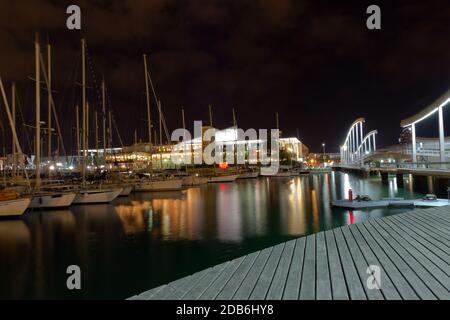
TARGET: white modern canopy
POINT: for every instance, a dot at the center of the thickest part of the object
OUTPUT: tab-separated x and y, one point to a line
438	106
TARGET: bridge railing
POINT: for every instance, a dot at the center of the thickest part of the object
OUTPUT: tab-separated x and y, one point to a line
425	165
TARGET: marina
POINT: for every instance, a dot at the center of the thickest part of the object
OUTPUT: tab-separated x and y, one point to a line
225	151
172	234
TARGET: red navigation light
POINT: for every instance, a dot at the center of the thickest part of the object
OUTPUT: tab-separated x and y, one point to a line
223	165
351	217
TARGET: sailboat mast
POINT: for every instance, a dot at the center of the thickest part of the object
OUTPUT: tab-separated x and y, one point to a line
83	66
147	94
160	122
235	140
184	135
13	99
210	116
110	129
104	117
38	112
96	132
77	116
49	96
14	133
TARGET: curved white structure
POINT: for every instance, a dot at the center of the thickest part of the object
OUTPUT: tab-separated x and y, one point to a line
357	146
436	106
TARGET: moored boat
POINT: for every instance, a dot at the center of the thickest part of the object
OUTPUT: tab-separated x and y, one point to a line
52	200
248	174
223	178
14	207
88	196
159	185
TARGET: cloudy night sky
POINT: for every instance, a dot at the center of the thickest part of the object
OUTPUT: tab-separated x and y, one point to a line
313	61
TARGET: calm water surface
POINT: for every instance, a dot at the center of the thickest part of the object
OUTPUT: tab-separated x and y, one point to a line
140	242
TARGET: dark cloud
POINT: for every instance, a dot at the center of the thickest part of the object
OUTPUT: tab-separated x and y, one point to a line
314	62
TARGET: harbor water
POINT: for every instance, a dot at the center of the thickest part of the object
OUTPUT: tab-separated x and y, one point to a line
148	239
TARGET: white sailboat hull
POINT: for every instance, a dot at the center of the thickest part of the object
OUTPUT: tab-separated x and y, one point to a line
227	178
96	196
248	175
52	200
193	181
14	207
160	185
270	172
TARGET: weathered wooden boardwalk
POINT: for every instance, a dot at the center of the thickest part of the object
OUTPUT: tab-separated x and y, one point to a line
411	249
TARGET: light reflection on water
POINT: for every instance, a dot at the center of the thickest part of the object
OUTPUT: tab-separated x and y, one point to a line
139	242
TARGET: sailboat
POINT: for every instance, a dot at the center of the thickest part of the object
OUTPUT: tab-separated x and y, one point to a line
219	177
248	174
44	199
90	195
11	202
244	173
153	183
223	178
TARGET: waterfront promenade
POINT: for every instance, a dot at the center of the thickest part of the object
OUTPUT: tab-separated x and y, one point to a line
412	250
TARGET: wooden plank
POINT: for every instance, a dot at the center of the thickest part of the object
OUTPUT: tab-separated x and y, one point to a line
431	228
218	284
361	264
431	222
241	272
338	285
265	279
436	280
252	277
421	233
323	282
198	289
443	213
388	289
292	287
149	293
435	218
308	284
419	287
413	262
354	285
388	268
421	245
279	280
180	290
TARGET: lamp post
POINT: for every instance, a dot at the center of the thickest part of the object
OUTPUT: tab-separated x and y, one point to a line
323	146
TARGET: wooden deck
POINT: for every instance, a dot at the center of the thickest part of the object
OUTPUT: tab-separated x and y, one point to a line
412	250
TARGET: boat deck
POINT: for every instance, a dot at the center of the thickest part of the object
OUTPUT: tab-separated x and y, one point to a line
411	249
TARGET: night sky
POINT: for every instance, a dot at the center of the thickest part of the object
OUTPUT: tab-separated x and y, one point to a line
314	62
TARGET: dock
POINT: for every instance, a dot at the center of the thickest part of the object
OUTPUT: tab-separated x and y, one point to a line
411	250
394	202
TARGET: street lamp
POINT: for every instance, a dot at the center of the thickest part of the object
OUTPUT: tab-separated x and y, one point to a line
323	146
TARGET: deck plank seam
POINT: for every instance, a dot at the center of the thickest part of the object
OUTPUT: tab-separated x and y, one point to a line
411	275
417	247
412	260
